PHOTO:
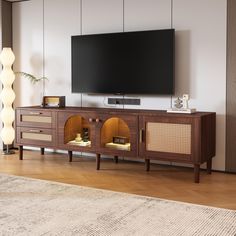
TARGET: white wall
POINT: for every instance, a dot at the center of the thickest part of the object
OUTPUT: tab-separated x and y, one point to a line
201	60
200	48
28	49
61	21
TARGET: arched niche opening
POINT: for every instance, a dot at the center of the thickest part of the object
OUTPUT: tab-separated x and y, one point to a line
77	131
115	134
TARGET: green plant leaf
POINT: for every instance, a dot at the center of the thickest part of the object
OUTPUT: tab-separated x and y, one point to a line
30	77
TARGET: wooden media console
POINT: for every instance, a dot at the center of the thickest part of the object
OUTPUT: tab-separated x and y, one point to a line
150	135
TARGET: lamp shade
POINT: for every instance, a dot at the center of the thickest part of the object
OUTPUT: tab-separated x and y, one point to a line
7	96
7	57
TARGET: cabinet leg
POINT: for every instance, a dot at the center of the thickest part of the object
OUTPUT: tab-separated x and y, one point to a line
196	173
70	156
116	159
20	152
147	164
209	166
42	151
98	157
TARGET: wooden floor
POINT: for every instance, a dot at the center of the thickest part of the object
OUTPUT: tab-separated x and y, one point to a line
174	183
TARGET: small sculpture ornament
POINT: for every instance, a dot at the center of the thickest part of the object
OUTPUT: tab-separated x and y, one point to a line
178	103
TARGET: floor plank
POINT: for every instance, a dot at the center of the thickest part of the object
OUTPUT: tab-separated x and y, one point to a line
168	182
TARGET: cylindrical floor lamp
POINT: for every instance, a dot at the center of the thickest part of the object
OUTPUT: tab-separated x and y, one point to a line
7	77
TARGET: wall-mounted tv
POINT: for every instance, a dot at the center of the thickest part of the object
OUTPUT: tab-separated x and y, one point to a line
124	63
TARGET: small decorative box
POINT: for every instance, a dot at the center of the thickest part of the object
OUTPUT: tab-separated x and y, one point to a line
54	101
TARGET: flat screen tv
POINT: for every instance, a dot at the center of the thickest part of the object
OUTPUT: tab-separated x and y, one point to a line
124	63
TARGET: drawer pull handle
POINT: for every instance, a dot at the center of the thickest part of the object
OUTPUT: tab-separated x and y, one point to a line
35	113
91	120
141	131
35	130
97	120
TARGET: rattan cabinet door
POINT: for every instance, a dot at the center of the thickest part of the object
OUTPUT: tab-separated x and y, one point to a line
166	138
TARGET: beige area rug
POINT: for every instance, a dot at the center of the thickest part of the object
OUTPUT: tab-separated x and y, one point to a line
35	207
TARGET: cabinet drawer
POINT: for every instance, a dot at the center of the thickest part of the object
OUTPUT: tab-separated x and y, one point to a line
34	136
35	118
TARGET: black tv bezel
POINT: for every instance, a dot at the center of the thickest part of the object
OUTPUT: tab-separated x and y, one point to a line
130	93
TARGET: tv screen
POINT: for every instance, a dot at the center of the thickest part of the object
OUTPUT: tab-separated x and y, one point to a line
124	63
